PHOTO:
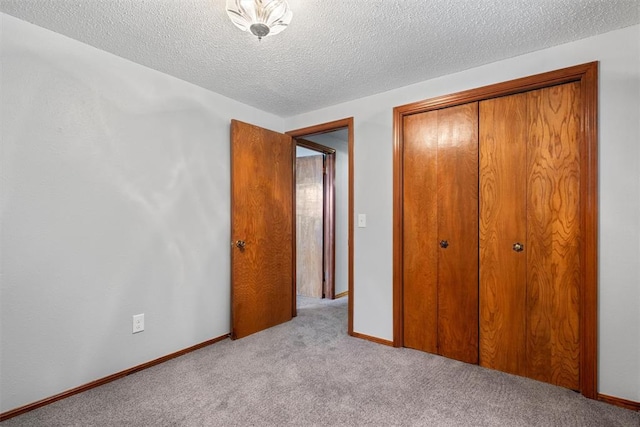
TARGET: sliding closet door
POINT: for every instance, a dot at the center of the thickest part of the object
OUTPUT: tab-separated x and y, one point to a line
440	229
458	232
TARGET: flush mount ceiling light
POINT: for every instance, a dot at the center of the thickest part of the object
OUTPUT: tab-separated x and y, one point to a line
261	17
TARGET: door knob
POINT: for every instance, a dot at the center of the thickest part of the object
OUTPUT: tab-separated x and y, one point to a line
241	244
444	244
518	247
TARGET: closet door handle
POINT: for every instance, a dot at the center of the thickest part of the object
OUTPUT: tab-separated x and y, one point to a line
444	244
518	247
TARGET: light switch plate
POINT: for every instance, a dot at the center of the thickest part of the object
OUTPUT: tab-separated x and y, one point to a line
362	220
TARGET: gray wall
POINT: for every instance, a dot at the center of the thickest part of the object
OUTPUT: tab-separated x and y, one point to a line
115	201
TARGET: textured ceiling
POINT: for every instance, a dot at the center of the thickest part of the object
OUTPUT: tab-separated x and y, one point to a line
333	51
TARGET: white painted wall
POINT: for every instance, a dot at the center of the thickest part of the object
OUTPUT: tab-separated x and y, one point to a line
619	246
342	204
115	201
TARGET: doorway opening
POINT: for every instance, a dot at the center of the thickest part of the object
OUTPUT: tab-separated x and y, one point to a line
327	148
315	220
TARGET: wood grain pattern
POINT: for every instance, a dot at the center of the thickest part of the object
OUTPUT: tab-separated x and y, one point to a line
586	75
457	209
420	232
262	186
503	277
309	226
554	235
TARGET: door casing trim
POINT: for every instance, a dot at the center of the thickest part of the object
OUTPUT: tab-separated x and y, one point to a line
326	128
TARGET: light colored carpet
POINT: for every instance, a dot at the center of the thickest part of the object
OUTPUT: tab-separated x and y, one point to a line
309	372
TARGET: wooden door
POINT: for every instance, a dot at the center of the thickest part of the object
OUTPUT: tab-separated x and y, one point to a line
262	258
503	222
554	235
420	231
309	225
440	229
458	232
530	195
538	189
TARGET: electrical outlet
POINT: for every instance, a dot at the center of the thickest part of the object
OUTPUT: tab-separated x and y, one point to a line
138	323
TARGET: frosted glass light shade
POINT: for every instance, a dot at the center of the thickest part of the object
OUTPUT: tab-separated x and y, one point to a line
261	17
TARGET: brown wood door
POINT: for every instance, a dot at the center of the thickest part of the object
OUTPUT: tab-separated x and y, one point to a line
503	222
530	194
441	204
538	191
262	209
458	227
309	225
554	235
420	231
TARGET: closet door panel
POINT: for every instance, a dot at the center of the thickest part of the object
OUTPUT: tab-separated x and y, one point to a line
554	237
457	171
503	271
420	231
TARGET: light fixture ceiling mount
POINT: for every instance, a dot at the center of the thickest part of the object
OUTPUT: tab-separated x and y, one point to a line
260	17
